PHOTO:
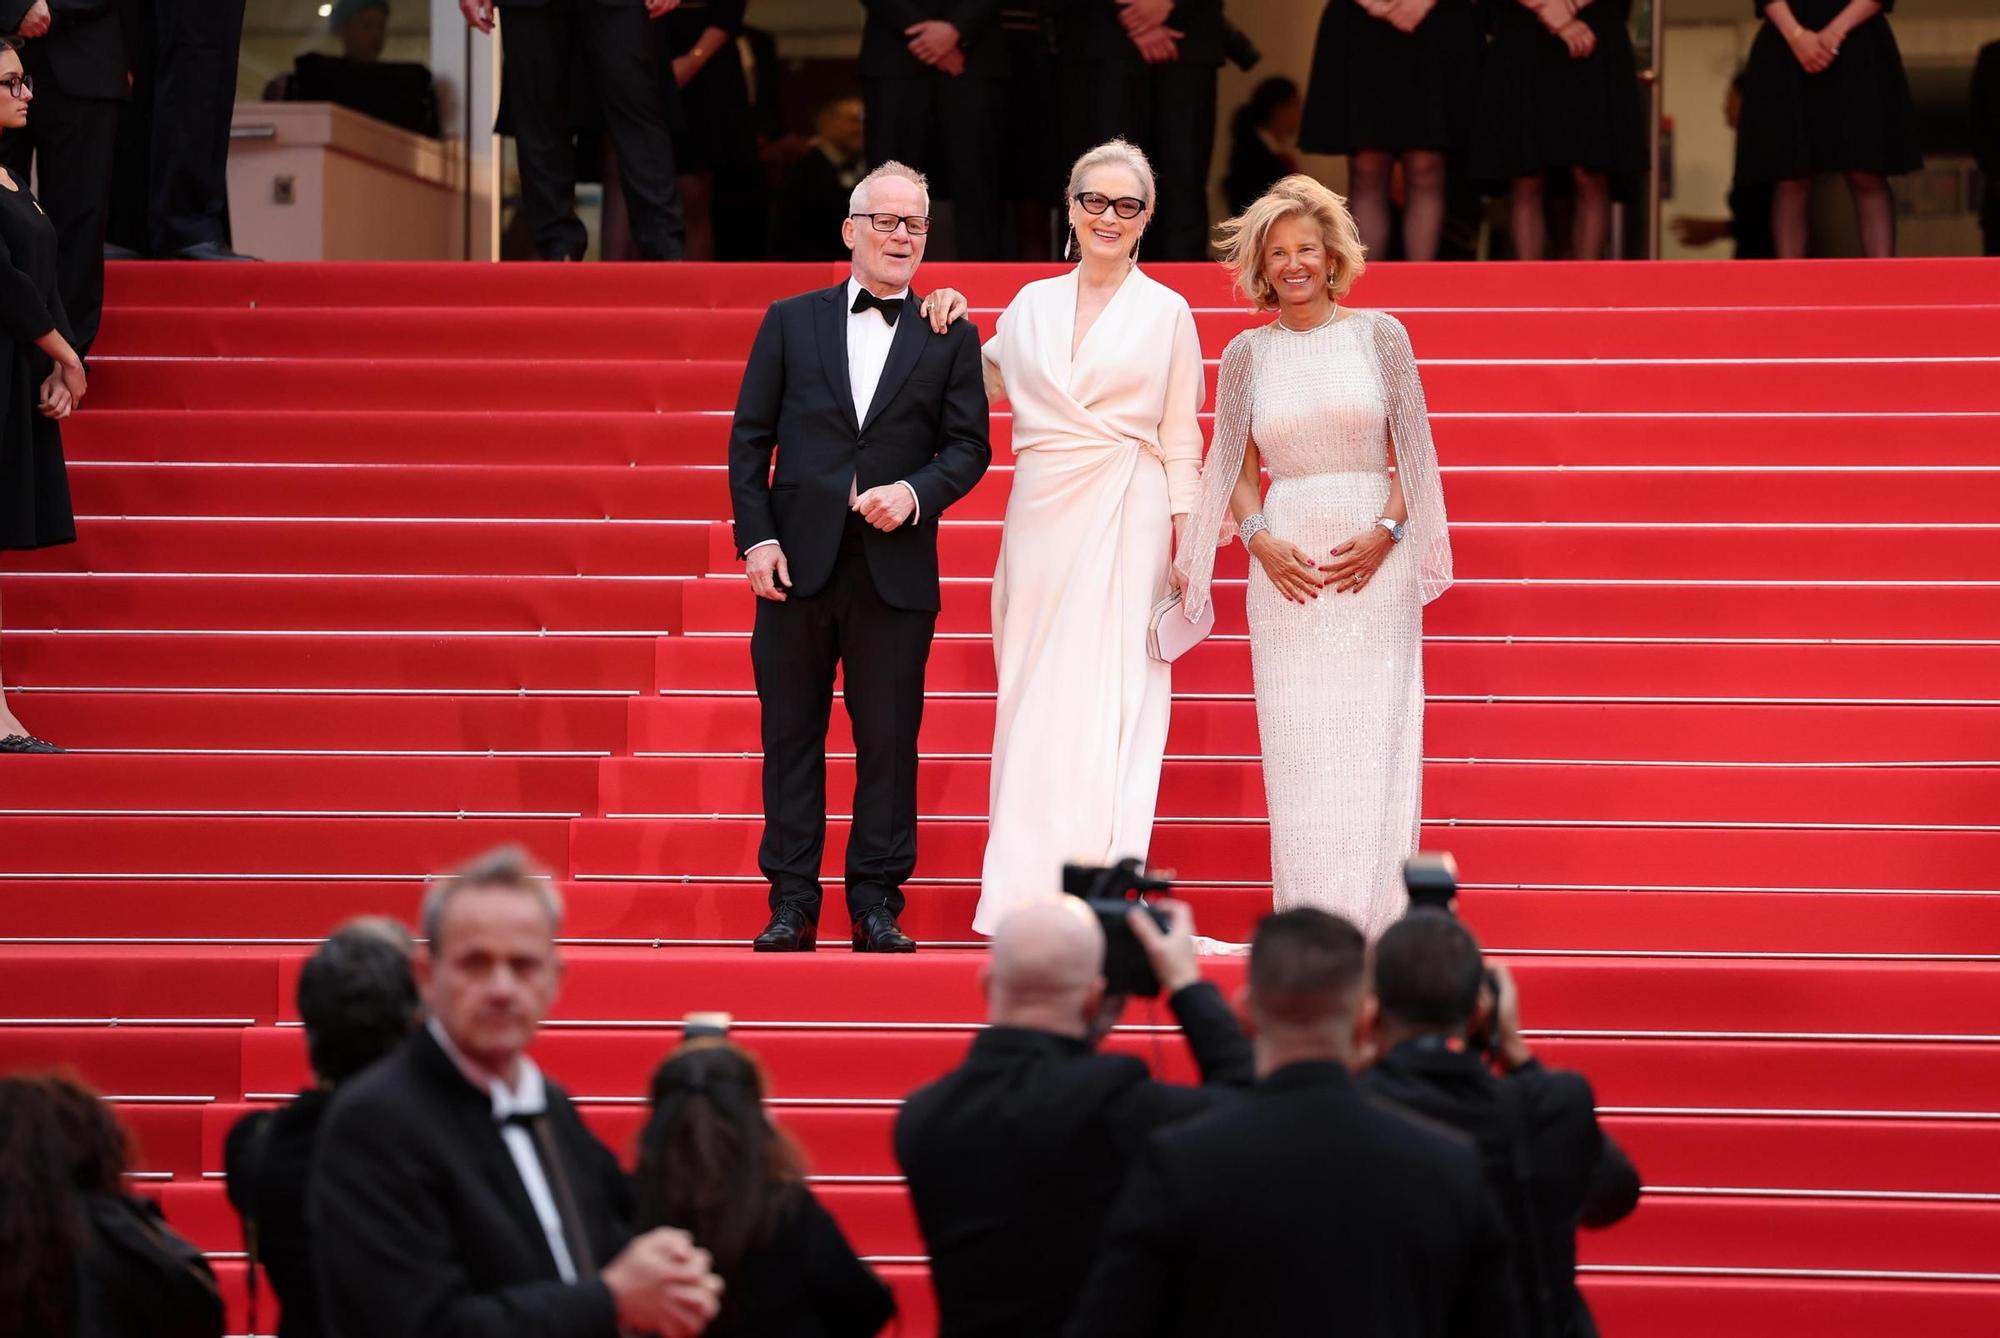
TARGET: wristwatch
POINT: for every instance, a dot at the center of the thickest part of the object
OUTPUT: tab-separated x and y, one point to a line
1394	527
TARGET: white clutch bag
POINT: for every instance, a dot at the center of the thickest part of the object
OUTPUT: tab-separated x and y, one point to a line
1170	635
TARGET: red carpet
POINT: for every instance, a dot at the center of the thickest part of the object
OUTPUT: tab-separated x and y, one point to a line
384	564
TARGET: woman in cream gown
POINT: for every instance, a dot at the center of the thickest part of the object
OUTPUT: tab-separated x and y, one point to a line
1103	372
1350	545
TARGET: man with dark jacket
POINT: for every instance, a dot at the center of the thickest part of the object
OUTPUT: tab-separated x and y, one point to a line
455	1190
1013	1158
1550	1167
75	53
1305	1207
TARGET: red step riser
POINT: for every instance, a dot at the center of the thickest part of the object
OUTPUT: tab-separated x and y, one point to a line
624	437
1450	387
1520	731
284	847
1538	856
1722	283
88	783
142	1061
1672	1307
1967	672
583	333
1193	790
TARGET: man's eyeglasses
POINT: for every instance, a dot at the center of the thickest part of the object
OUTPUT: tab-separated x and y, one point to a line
18	84
918	224
1125	206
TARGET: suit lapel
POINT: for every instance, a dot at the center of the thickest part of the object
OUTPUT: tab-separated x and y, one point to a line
832	328
478	1133
911	331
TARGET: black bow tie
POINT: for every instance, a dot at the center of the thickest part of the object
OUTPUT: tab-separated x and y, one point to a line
890	307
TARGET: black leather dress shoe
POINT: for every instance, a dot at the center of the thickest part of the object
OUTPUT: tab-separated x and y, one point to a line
206	251
789	931
877	931
113	251
26	743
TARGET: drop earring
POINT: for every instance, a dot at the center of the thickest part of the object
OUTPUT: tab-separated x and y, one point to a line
1069	242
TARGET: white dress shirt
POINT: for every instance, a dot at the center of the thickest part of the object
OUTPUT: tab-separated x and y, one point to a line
528	1096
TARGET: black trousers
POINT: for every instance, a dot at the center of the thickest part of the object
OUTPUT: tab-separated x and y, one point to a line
794	649
73	140
963	112
1169	111
537	56
194	94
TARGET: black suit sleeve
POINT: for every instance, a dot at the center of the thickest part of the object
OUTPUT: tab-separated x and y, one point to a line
1487	1303
11	14
753	433
974	19
898	14
1221	1051
1131	1288
967	449
77	9
1613	1191
385	1259
848	1298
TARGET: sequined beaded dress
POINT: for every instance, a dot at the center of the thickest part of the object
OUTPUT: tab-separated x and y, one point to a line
1339	680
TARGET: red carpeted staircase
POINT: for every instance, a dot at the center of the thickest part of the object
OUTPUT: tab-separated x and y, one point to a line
383	565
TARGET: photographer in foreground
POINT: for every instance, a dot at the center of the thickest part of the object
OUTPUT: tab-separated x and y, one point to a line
1014	1157
1550	1167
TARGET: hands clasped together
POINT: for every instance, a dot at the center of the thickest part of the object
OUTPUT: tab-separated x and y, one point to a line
1347	570
62	390
1561	18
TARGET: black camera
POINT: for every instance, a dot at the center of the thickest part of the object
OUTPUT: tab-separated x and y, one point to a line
1111	893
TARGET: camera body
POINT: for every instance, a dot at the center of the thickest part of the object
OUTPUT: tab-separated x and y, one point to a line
1111	893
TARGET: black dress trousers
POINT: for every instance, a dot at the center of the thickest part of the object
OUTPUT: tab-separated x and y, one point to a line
194	95
795	647
907	113
538	50
1169	111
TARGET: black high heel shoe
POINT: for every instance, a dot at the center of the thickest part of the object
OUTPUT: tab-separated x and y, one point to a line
27	743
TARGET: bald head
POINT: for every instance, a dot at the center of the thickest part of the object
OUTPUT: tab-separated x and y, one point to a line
1046	966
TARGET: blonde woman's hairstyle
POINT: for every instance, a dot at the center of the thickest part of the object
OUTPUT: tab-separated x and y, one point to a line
1242	238
1123	154
857	201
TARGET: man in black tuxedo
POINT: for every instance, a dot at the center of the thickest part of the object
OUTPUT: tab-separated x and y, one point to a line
1014	1157
932	71
454	1189
537	61
1548	1164
76	56
1145	70
1306	1207
879	425
816	187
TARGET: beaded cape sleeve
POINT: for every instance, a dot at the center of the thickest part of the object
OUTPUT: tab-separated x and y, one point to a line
1416	454
1196	561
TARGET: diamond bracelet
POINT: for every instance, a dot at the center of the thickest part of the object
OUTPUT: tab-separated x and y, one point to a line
1250	527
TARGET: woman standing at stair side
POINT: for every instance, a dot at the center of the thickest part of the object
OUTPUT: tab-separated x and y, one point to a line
1350	545
1103	371
43	376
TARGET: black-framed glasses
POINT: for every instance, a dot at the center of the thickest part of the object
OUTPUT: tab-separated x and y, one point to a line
918	224
17	84
1125	206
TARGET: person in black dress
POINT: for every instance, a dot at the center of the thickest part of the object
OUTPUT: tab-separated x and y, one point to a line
1259	139
712	1163
1394	80
1559	92
41	376
714	150
1824	91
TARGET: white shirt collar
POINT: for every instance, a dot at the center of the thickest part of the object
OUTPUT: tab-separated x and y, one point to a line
528	1095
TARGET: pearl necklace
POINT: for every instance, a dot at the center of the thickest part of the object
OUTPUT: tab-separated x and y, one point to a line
1332	316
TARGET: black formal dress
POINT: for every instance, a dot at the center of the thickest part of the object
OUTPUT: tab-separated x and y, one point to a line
548	47
811	206
1985	108
1013	1160
1108	90
1854	116
34	485
716	134
1306	1208
948	125
862	600
1543	1154
267	1159
1539	109
805	1282
79	71
1374	87
422	1225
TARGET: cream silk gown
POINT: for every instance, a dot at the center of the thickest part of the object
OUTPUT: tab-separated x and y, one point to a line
1107	449
1340	679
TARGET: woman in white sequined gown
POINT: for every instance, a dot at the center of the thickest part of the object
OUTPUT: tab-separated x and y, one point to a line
1350	545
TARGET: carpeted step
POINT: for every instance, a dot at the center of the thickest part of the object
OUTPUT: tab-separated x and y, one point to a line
120	1059
393	847
1728	1307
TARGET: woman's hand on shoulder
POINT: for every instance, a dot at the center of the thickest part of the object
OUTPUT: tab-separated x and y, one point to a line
942	306
1295	574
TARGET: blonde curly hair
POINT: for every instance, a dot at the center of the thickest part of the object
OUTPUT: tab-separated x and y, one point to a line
1241	239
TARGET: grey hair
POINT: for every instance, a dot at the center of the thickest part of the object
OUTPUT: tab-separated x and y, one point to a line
506	869
857	200
1122	153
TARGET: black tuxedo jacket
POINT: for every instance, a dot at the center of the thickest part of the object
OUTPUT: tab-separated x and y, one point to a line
420	1223
1305	1208
885	49
1014	1157
1574	1172
927	426
83	52
1089	31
